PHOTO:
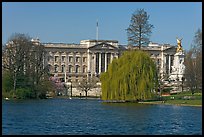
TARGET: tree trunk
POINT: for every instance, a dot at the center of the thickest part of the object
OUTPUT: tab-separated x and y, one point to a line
140	29
14	81
86	93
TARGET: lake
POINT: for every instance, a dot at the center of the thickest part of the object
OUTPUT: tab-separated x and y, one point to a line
91	116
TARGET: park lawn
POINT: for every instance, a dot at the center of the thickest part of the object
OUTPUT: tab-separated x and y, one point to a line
185	102
195	99
178	99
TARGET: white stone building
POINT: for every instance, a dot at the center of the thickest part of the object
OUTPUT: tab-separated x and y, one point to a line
75	62
170	63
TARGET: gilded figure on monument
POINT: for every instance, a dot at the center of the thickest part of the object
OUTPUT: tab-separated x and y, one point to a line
179	48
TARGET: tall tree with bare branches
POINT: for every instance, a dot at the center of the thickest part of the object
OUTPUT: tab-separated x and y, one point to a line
15	56
23	59
193	63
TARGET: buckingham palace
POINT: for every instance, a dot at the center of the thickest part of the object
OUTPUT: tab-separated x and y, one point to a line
75	62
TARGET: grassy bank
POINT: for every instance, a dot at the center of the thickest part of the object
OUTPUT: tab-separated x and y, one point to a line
183	99
185	102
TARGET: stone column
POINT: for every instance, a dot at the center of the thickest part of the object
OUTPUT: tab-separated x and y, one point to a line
162	62
52	62
105	62
88	61
60	62
111	57
99	63
73	62
169	63
65	68
93	63
81	62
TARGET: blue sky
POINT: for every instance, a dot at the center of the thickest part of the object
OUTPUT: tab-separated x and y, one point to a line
70	22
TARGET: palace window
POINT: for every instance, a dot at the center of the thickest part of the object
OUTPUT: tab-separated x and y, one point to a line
63	58
63	68
56	58
84	69
84	59
70	69
70	59
77	69
56	68
77	59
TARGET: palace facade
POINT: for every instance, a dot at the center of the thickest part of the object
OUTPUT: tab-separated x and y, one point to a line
75	62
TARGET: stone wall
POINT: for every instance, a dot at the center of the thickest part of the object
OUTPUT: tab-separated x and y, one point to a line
96	92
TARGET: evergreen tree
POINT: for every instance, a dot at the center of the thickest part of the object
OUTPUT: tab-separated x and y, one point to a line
139	30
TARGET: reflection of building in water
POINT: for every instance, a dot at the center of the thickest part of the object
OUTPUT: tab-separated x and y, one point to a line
92	57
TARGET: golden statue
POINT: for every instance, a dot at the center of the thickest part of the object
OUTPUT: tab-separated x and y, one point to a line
179	48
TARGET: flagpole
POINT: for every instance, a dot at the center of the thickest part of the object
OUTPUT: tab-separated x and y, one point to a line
97	30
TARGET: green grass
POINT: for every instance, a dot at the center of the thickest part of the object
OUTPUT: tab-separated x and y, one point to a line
195	99
184	102
179	99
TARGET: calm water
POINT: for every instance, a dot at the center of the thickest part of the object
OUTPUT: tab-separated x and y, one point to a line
64	116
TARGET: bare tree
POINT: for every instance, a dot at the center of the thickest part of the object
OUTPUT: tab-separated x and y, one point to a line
15	55
24	59
193	63
139	30
87	84
38	70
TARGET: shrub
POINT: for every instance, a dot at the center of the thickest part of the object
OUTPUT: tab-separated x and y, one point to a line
7	83
23	93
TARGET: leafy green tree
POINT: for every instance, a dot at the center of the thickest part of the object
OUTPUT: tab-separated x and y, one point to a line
139	30
131	77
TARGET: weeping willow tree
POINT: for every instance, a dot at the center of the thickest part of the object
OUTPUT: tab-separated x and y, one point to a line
131	77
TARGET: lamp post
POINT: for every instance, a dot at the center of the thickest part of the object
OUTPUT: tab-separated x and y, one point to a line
71	88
